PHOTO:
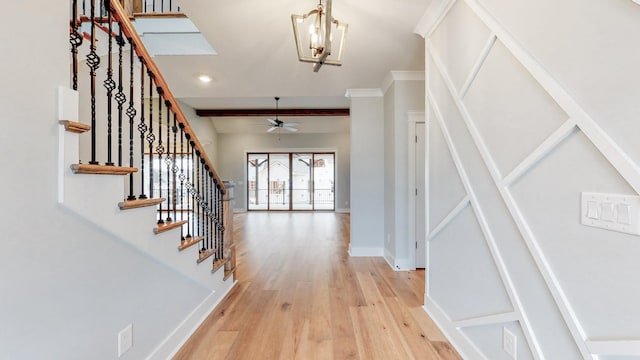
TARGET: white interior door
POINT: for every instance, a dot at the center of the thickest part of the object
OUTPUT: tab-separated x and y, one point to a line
420	197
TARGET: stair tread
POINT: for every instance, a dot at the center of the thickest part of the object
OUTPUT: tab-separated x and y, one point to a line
132	204
188	242
228	273
160	228
75	127
219	264
205	255
102	169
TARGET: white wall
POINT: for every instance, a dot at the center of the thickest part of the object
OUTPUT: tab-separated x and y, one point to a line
205	131
404	94
367	172
530	104
233	148
67	287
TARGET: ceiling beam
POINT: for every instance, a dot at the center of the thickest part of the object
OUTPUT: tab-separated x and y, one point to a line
271	112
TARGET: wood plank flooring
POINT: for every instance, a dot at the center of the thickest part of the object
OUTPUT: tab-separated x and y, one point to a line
300	296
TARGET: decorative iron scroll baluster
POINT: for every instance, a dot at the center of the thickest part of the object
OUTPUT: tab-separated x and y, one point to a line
93	62
207	213
189	187
84	10
174	169
212	201
204	210
121	98
168	160
110	85
160	151
142	128
212	211
131	113
220	223
76	41
150	136
196	204
182	178
215	210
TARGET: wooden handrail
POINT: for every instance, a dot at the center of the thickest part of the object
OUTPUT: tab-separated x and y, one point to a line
127	28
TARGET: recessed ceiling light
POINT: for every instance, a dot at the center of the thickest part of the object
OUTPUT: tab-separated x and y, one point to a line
204	78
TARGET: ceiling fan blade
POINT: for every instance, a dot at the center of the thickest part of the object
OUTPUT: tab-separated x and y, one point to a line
291	129
272	121
271	129
291	124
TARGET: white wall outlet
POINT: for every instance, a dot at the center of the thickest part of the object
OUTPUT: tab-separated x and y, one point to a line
509	342
125	340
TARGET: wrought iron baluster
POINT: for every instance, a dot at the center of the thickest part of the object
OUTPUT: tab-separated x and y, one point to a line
110	85
93	62
182	178
162	6
215	215
121	98
150	135
221	221
212	207
217	232
204	210
131	113
160	151
197	198
175	167
142	128
189	186
75	39
168	160
216	210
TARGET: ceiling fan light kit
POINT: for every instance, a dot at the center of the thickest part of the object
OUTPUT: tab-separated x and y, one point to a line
276	124
323	33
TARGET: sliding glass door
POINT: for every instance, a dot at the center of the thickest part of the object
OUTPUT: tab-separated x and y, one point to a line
323	181
290	181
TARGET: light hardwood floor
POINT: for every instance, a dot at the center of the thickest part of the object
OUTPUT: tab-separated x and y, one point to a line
300	296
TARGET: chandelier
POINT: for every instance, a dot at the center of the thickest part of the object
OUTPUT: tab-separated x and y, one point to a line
319	37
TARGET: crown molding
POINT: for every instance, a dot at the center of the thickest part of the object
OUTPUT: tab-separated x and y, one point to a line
361	93
433	16
401	76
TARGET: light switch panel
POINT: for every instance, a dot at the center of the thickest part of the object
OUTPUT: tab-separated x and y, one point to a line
615	212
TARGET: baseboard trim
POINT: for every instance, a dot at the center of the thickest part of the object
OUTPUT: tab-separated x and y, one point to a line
343	211
403	264
366	251
456	338
178	337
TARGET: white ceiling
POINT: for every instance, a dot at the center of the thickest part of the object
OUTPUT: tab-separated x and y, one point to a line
257	58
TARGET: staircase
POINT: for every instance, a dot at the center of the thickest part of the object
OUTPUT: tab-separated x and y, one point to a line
129	161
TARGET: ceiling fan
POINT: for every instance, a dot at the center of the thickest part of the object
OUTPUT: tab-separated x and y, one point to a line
279	124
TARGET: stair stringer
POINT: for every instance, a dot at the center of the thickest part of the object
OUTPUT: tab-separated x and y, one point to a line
95	198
